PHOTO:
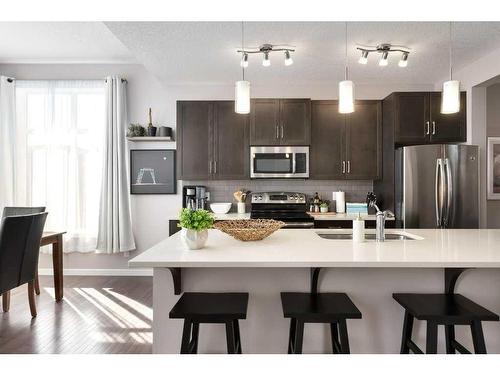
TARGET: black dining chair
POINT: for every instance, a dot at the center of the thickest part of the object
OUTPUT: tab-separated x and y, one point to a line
19	248
21	210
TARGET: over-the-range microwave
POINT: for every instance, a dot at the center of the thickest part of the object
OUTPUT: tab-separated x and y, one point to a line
279	162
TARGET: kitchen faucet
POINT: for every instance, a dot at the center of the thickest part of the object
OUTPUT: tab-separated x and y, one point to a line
371	199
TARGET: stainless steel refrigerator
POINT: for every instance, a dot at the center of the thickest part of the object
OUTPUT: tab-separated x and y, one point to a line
437	186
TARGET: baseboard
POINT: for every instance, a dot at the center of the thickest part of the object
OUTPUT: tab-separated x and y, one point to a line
99	272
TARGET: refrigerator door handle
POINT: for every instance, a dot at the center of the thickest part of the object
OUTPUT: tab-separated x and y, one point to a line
439	192
449	191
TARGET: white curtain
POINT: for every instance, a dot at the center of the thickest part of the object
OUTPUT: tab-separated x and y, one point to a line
7	140
115	224
60	127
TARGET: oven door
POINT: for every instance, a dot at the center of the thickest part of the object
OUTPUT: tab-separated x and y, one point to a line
279	162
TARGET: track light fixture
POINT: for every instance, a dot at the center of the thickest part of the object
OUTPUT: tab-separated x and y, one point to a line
266	49
384	49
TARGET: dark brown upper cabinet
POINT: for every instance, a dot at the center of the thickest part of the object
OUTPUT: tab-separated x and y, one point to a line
280	122
213	141
346	146
418	119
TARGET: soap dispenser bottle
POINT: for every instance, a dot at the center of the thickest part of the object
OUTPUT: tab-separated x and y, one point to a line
358	229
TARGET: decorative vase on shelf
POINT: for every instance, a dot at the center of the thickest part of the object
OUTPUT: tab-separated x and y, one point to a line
194	239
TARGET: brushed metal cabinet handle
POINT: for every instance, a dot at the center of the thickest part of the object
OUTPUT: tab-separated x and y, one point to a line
210	167
433	127
277	132
348	166
343	166
428	128
215	166
281	131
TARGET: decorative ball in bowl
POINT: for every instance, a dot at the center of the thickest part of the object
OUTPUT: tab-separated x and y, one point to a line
220	208
249	230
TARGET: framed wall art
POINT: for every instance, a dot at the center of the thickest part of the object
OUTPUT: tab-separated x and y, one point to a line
152	172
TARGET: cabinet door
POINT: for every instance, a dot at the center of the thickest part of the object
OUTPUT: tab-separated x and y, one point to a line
264	119
295	122
231	148
327	140
364	141
194	136
448	127
412	117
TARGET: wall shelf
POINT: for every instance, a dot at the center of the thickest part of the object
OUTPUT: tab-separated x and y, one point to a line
150	139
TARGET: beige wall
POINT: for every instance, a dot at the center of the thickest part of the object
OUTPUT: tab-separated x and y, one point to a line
493	130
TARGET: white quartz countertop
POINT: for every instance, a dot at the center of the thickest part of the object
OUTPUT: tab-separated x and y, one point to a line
434	248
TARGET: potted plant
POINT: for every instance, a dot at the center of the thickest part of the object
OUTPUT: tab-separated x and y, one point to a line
324	206
195	224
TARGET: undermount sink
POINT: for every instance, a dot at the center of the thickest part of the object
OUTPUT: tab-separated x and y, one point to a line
368	236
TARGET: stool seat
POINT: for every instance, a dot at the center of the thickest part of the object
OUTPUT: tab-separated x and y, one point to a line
211	306
332	308
319	307
198	308
444	308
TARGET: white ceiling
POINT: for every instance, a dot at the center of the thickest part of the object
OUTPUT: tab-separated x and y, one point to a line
205	52
60	42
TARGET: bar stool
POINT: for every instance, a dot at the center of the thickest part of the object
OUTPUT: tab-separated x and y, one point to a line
442	309
222	308
332	308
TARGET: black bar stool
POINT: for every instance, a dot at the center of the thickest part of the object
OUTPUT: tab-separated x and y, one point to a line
222	308
332	308
442	309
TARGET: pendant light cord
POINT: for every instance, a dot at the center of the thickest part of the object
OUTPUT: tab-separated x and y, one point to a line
451	42
243	48
346	68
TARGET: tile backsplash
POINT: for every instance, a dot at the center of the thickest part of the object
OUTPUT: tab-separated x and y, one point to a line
222	191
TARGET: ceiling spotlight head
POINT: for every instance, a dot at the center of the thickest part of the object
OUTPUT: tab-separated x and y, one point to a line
288	58
364	58
244	60
266	61
403	63
383	60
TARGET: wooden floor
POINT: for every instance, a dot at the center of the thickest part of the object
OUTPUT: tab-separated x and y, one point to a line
98	315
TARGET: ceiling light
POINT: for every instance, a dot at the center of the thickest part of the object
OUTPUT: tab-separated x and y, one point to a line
383	60
266	61
242	88
403	63
346	87
364	58
244	60
450	102
288	58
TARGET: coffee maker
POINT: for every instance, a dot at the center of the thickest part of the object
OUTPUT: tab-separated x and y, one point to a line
194	197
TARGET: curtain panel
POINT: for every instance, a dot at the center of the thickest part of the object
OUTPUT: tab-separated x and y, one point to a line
115	224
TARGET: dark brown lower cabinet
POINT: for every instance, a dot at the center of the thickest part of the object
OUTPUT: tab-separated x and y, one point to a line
346	146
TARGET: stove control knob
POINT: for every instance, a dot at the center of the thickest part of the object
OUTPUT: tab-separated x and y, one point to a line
301	198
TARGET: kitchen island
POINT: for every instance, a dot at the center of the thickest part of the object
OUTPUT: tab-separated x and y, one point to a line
369	272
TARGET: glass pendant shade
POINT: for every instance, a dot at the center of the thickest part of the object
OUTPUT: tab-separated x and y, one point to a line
451	97
346	97
242	97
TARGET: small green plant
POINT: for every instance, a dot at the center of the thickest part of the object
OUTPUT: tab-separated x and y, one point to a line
325	203
195	219
136	130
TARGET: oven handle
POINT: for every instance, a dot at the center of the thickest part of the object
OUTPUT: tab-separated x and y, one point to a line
299	225
294	165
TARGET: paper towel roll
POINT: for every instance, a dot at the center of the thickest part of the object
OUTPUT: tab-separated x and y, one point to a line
340	201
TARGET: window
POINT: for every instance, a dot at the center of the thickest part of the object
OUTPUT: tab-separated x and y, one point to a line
60	127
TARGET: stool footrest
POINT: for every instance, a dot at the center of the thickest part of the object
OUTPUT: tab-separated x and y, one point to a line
414	347
459	347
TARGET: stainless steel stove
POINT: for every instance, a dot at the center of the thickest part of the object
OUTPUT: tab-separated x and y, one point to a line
290	208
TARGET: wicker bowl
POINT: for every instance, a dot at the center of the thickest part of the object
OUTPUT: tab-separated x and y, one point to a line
249	230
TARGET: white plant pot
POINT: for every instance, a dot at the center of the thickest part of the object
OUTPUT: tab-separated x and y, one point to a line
323	209
194	239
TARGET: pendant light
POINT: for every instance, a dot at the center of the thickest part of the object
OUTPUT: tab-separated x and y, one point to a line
346	87
242	88
451	90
